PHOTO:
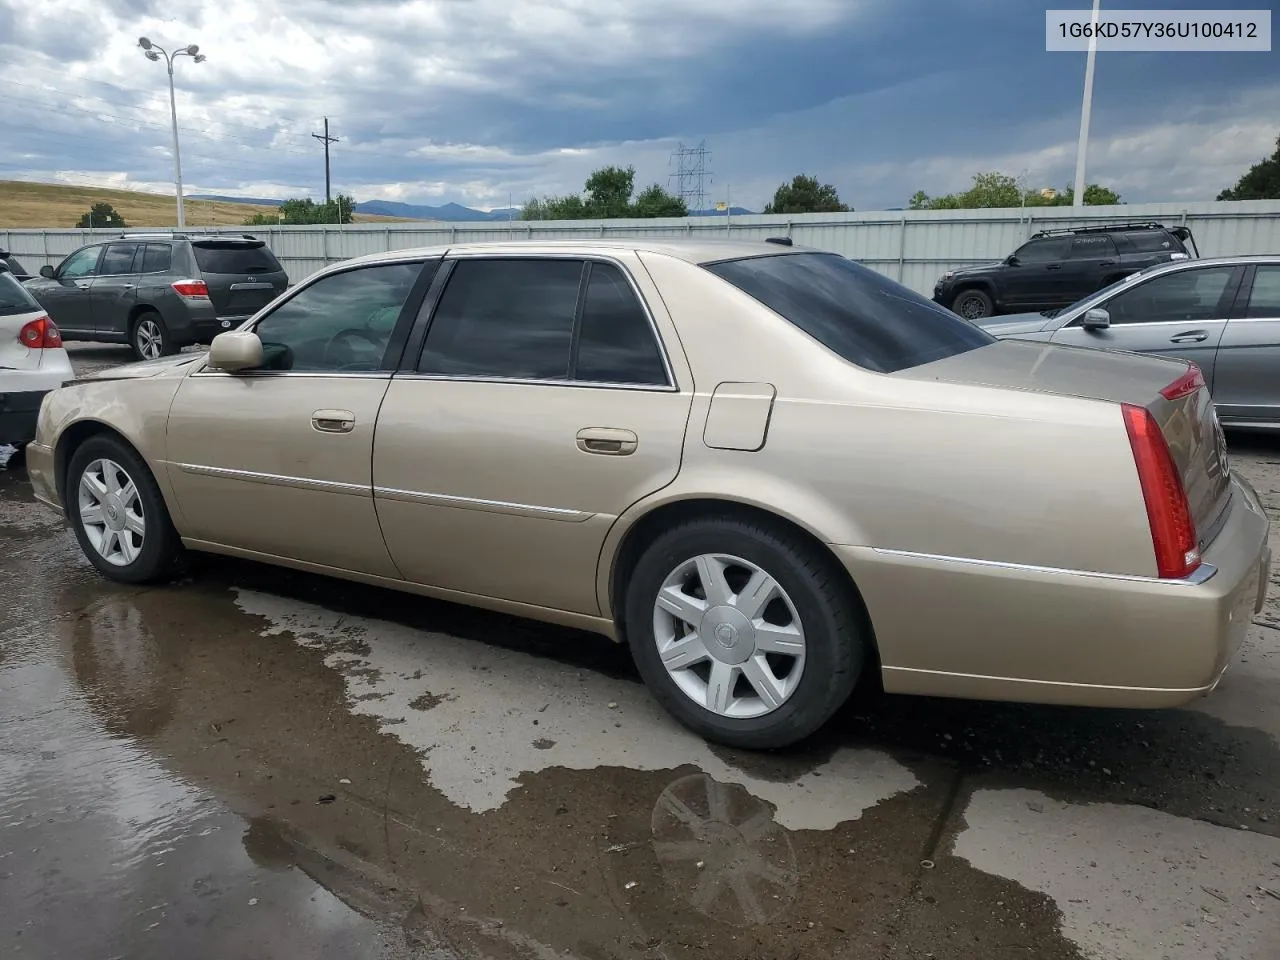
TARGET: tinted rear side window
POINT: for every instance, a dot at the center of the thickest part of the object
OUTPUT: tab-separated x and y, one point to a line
615	341
862	316
14	298
156	258
226	257
1154	241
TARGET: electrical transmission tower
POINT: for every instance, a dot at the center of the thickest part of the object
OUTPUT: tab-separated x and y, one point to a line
691	175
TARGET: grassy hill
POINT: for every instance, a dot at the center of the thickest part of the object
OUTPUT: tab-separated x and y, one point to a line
28	205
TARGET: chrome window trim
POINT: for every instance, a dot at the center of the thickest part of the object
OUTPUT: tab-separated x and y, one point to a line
670	386
534	382
305	374
1201	574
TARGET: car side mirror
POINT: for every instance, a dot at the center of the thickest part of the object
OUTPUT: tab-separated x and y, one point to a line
1096	318
234	351
1011	260
47	272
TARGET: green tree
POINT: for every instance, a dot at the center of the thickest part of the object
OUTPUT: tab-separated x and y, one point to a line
992	190
1261	182
101	215
805	195
607	195
307	211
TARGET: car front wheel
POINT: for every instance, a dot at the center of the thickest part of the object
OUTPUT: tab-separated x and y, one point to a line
746	633
973	304
119	515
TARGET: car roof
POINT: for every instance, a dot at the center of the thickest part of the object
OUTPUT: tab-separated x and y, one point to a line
697	251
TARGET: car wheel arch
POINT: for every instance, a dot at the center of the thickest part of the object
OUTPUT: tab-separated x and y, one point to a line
653	520
74	436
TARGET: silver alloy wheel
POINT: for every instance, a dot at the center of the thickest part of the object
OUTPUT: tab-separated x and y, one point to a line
111	512
729	636
150	339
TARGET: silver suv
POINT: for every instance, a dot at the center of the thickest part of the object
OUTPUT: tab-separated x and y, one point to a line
159	292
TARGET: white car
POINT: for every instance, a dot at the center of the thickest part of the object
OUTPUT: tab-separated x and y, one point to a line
32	360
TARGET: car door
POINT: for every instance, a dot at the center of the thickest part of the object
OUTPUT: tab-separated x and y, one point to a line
1177	314
1032	278
542	404
66	296
1092	259
1247	378
114	290
276	461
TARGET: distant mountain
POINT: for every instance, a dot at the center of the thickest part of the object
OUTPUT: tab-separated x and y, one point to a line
454	212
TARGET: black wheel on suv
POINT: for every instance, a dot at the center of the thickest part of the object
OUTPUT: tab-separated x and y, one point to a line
150	338
973	304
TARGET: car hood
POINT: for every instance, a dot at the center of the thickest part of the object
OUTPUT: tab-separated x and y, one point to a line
977	268
145	368
1014	324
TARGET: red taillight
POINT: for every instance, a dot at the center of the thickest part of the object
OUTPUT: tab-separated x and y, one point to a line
1185	385
1173	531
192	289
40	334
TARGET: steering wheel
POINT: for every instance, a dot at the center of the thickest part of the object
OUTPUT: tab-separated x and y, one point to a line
351	333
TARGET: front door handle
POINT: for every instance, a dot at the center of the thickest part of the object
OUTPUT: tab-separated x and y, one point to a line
1191	336
333	421
1107	263
82	284
1054	266
608	441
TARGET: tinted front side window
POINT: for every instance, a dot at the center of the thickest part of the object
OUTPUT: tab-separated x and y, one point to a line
505	318
14	298
117	260
341	323
1264	301
156	258
1042	251
859	314
82	263
229	257
1187	296
615	341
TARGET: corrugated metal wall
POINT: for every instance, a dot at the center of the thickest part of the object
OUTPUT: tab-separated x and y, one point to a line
911	246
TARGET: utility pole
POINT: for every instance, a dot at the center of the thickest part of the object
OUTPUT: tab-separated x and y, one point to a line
1086	107
326	140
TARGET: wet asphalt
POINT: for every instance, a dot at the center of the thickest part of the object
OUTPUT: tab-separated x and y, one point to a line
257	763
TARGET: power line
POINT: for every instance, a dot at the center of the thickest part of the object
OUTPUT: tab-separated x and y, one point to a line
326	140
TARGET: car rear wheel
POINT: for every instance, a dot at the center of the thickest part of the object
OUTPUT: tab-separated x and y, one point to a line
747	634
973	304
119	515
150	338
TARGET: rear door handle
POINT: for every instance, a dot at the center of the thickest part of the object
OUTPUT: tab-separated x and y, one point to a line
333	421
609	441
1191	336
1053	266
1107	263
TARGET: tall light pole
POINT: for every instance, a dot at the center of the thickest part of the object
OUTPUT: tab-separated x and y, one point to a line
1086	107
153	52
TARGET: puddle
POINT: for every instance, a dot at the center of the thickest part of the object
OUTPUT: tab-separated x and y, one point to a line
493	713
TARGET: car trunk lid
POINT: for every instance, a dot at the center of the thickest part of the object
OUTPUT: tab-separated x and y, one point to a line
242	274
17	309
1180	404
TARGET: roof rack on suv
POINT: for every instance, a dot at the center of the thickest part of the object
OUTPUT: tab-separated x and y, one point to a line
1100	228
150	233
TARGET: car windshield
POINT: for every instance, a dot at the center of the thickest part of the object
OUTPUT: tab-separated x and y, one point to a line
859	314
1099	294
14	298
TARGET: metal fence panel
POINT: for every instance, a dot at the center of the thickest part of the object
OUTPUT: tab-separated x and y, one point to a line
912	246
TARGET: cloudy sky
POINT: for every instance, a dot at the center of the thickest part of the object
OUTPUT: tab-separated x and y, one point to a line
476	101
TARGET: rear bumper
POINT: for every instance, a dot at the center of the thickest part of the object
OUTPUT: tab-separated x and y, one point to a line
18	414
997	631
206	328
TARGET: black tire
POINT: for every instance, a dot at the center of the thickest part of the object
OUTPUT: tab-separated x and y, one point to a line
973	304
148	328
161	556
829	616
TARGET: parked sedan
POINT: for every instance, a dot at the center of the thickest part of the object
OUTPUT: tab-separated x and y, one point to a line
767	469
1222	314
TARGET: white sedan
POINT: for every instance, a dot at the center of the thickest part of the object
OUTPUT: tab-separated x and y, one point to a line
32	360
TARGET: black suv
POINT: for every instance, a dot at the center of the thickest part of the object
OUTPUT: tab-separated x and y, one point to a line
159	292
1056	268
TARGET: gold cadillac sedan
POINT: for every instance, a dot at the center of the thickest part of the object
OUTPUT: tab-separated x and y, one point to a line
765	468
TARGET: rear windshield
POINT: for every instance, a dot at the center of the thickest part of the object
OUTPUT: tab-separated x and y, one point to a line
14	298
213	256
16	267
863	316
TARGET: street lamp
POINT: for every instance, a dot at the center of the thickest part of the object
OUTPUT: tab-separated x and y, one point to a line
153	52
1086	107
